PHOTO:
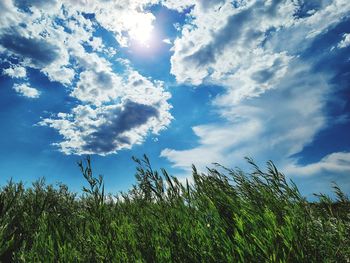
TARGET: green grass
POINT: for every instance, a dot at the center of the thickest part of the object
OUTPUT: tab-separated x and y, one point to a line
225	215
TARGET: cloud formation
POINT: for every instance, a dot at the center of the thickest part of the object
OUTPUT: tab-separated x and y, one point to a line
274	100
114	133
264	127
254	49
39	52
15	72
128	116
26	91
335	162
345	42
115	108
107	129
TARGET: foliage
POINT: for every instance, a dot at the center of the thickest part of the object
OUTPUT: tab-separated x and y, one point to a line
225	215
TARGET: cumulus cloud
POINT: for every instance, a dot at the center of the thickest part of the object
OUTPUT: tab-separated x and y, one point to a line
37	40
119	117
97	87
223	41
48	35
26	91
15	72
107	129
226	43
117	107
115	133
38	51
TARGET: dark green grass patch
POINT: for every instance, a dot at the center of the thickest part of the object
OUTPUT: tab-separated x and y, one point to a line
224	215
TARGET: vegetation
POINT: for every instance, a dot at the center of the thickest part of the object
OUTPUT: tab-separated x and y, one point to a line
225	215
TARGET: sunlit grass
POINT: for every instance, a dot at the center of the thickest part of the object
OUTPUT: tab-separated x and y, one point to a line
225	215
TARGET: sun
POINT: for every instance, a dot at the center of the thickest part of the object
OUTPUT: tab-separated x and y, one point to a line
141	28
143	34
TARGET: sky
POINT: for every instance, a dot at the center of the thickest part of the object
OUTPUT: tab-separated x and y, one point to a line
183	81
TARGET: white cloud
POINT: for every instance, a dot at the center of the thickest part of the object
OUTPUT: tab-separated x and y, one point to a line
105	129
216	142
49	45
273	104
121	111
26	91
338	162
264	127
54	41
96	43
97	87
15	72
167	41
43	44
249	47
63	75
225	40
127	19
178	5
224	44
9	14
345	41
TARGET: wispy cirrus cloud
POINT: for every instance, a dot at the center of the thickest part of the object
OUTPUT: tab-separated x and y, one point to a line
265	127
335	162
274	102
345	42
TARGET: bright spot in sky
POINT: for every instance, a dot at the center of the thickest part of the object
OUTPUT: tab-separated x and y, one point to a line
143	34
141	28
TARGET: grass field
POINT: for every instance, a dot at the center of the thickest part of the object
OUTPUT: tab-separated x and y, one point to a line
225	215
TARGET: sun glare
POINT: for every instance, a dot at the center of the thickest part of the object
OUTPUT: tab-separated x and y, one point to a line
141	28
143	34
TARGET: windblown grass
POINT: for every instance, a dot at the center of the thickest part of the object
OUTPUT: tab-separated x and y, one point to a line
225	215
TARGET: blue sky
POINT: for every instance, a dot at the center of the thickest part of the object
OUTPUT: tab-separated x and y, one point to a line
183	81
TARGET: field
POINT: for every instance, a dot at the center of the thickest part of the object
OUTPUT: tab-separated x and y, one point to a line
224	215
